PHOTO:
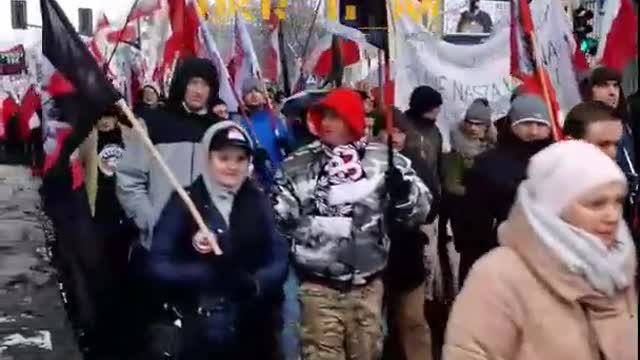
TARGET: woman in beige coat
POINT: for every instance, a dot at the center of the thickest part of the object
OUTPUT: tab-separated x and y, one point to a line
560	286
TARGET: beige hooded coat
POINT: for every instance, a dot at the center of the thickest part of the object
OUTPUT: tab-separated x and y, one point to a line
521	303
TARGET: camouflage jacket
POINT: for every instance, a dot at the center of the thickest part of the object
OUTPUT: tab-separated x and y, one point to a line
343	248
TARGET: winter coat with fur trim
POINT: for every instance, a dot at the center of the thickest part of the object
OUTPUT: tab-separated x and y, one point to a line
343	248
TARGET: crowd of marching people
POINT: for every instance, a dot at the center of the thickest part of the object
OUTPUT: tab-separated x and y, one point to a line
315	236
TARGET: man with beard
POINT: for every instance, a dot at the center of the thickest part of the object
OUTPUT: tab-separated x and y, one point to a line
143	189
492	181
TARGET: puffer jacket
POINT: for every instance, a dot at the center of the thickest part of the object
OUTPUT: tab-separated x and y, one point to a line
343	248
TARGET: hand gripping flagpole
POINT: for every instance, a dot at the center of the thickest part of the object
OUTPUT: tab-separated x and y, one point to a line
138	128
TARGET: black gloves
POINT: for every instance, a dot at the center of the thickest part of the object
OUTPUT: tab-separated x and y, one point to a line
399	189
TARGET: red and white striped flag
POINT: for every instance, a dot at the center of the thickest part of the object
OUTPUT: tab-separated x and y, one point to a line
620	26
272	65
210	50
244	62
320	60
527	63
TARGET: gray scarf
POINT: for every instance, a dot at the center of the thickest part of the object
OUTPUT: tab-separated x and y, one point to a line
469	148
582	253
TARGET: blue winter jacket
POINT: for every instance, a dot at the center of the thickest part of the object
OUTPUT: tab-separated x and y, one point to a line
271	134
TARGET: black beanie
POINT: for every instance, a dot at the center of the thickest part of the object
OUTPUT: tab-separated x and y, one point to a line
423	99
188	69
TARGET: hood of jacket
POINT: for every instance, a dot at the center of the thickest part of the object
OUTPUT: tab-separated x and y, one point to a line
210	184
187	70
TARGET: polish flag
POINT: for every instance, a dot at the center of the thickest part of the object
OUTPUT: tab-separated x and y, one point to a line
210	51
244	62
97	45
183	41
320	60
272	68
145	8
620	24
27	114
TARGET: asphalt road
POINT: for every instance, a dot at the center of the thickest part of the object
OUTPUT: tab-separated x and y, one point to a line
33	322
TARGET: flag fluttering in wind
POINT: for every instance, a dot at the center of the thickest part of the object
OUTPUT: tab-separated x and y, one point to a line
183	41
211	52
328	49
244	62
82	93
272	64
619	46
526	61
144	8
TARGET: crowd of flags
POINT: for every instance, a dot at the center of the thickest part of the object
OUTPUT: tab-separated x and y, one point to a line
176	29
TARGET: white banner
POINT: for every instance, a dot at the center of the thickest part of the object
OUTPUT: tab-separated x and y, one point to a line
462	73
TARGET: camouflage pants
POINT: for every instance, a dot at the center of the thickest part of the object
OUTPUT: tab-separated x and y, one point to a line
340	325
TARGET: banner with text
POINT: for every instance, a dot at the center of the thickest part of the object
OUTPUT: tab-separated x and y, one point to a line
462	73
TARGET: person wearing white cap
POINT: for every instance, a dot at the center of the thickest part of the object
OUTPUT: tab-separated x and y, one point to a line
560	286
492	181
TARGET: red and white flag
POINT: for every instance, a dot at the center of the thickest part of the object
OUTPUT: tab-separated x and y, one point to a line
145	8
183	41
320	60
527	63
210	51
244	62
620	26
27	114
272	65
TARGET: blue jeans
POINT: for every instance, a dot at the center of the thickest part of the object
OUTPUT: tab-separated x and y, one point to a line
291	317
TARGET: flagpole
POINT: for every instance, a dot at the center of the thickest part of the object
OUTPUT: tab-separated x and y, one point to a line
283	59
139	129
532	48
305	49
555	126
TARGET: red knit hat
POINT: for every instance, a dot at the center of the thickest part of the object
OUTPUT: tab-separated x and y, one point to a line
347	104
